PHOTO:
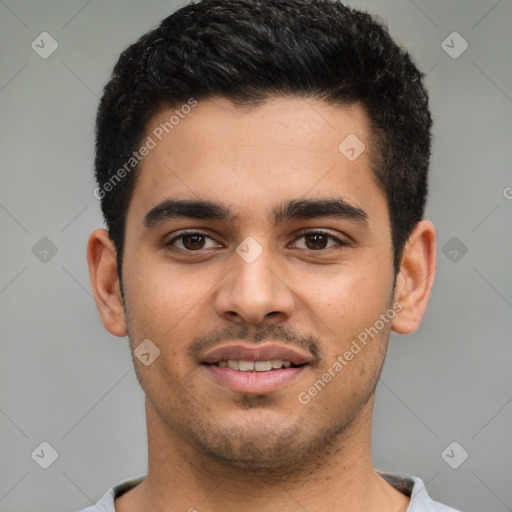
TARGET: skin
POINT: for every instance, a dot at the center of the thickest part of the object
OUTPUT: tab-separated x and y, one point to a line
214	449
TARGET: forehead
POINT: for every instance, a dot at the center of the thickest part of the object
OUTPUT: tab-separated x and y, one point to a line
284	149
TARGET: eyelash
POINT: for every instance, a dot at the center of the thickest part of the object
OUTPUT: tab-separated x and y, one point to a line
330	236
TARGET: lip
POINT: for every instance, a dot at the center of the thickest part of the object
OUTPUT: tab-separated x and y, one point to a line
251	352
255	382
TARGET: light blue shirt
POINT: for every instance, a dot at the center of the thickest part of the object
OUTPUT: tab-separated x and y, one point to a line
406	484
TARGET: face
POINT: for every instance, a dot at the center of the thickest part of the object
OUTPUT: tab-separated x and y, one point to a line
281	252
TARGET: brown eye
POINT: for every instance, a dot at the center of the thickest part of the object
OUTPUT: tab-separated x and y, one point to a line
193	241
318	241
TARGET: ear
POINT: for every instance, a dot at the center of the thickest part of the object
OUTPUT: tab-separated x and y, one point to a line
415	278
101	258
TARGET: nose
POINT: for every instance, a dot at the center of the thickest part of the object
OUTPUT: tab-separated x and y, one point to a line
253	291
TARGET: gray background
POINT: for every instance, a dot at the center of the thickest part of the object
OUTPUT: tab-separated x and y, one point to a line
66	381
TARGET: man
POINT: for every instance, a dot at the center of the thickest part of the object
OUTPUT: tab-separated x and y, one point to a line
262	169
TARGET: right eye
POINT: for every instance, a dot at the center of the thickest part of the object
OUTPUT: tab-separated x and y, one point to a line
191	241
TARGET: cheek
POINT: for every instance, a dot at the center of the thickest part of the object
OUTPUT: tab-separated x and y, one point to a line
160	297
166	285
348	298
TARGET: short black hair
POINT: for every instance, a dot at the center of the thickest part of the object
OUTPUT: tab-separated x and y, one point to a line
249	50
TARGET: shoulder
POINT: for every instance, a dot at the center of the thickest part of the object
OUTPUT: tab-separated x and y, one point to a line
422	502
106	503
415	488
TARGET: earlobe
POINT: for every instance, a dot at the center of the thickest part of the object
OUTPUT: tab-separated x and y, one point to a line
416	277
101	259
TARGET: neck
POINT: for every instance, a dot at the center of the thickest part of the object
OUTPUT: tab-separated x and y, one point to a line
339	477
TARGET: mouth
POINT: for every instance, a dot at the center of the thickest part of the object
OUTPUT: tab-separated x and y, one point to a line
243	365
260	369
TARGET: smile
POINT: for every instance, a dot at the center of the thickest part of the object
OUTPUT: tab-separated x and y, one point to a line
243	365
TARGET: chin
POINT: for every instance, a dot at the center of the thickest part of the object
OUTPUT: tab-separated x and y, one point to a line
266	448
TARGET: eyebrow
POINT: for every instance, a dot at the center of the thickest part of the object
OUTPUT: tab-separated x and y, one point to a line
294	209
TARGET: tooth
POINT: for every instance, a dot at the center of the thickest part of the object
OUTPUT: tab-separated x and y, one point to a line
245	366
263	366
233	364
277	363
287	364
222	364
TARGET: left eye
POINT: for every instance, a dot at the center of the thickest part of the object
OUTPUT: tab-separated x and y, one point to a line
318	240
